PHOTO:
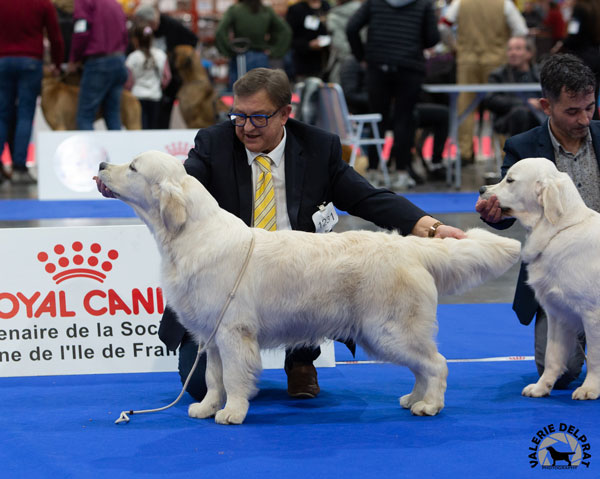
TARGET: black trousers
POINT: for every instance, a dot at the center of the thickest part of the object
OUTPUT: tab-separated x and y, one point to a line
394	95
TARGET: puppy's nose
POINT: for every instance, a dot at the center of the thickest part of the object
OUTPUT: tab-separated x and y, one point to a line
103	166
482	190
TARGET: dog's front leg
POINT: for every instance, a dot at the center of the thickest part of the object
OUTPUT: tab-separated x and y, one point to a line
241	367
561	341
590	389
215	391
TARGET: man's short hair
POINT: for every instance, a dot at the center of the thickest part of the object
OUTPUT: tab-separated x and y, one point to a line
146	13
568	71
274	81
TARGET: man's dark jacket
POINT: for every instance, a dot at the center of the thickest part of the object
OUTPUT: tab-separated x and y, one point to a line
314	174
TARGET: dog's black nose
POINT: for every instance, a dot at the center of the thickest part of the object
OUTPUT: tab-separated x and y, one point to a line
482	190
103	166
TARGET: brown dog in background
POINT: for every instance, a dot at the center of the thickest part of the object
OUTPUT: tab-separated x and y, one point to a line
198	102
59	105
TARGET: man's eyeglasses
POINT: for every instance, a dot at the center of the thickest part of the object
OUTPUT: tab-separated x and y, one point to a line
258	121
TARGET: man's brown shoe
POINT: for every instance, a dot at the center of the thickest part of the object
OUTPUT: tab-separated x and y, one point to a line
302	380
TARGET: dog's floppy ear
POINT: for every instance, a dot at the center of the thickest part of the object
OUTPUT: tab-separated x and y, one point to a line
551	196
172	206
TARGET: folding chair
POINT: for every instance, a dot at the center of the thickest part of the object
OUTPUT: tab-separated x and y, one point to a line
334	117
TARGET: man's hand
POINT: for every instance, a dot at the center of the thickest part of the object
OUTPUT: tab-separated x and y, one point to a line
447	231
102	188
489	209
423	226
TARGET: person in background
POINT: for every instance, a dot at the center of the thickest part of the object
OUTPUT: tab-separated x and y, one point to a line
24	25
262	33
337	20
554	23
310	38
583	38
399	31
307	171
168	33
571	139
150	73
483	30
98	45
513	113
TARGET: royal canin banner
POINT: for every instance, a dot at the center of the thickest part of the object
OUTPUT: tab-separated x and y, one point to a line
87	300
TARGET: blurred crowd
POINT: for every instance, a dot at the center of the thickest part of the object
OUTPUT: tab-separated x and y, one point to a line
381	52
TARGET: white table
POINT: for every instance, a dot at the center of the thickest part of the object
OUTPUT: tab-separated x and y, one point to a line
480	90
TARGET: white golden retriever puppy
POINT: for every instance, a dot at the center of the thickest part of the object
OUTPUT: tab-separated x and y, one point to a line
562	252
298	288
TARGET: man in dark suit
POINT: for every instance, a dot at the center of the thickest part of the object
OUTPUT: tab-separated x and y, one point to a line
307	172
571	140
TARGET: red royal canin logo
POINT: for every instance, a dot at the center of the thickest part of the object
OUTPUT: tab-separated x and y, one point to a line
78	262
179	149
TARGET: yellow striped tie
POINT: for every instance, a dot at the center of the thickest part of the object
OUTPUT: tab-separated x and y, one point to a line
264	199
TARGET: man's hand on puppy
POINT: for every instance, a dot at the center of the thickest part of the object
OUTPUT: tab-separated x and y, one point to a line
489	209
102	188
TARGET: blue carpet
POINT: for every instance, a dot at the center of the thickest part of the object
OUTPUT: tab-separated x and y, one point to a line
24	210
63	426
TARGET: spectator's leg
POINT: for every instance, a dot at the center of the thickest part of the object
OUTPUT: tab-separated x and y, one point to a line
29	87
111	104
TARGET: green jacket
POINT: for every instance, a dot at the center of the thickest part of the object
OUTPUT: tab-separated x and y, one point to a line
265	30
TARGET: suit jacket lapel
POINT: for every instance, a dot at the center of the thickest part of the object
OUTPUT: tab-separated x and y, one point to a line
545	143
295	164
243	172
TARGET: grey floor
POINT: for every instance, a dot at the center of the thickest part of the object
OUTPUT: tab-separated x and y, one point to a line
500	290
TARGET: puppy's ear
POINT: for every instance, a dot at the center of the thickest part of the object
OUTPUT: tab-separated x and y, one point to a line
552	199
172	206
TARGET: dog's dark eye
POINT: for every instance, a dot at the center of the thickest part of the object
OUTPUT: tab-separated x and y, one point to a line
509	180
132	168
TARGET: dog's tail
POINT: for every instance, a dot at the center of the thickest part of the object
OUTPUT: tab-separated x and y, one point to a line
470	262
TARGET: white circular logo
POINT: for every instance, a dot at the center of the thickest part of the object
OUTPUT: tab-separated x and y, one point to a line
76	162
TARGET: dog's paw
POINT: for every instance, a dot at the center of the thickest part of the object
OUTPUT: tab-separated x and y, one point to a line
536	391
407	401
202	410
584	393
421	408
230	416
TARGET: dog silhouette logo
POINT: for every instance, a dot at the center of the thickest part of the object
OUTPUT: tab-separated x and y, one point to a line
560	447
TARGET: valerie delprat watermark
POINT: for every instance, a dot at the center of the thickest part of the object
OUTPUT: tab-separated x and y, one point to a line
561	446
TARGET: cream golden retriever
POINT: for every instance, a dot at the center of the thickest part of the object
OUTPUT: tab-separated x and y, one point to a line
378	288
562	252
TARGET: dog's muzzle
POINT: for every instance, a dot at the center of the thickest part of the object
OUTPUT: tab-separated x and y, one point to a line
103	166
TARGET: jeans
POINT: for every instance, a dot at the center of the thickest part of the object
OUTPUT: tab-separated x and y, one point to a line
254	60
101	86
20	85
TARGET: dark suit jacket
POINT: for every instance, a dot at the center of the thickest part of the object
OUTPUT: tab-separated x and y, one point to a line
314	174
533	143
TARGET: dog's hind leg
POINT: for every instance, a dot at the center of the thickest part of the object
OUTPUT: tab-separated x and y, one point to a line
590	389
562	338
215	391
427	396
241	367
410	343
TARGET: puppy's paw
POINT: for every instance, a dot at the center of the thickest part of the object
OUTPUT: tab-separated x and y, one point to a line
407	401
536	390
202	410
230	416
584	393
421	408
